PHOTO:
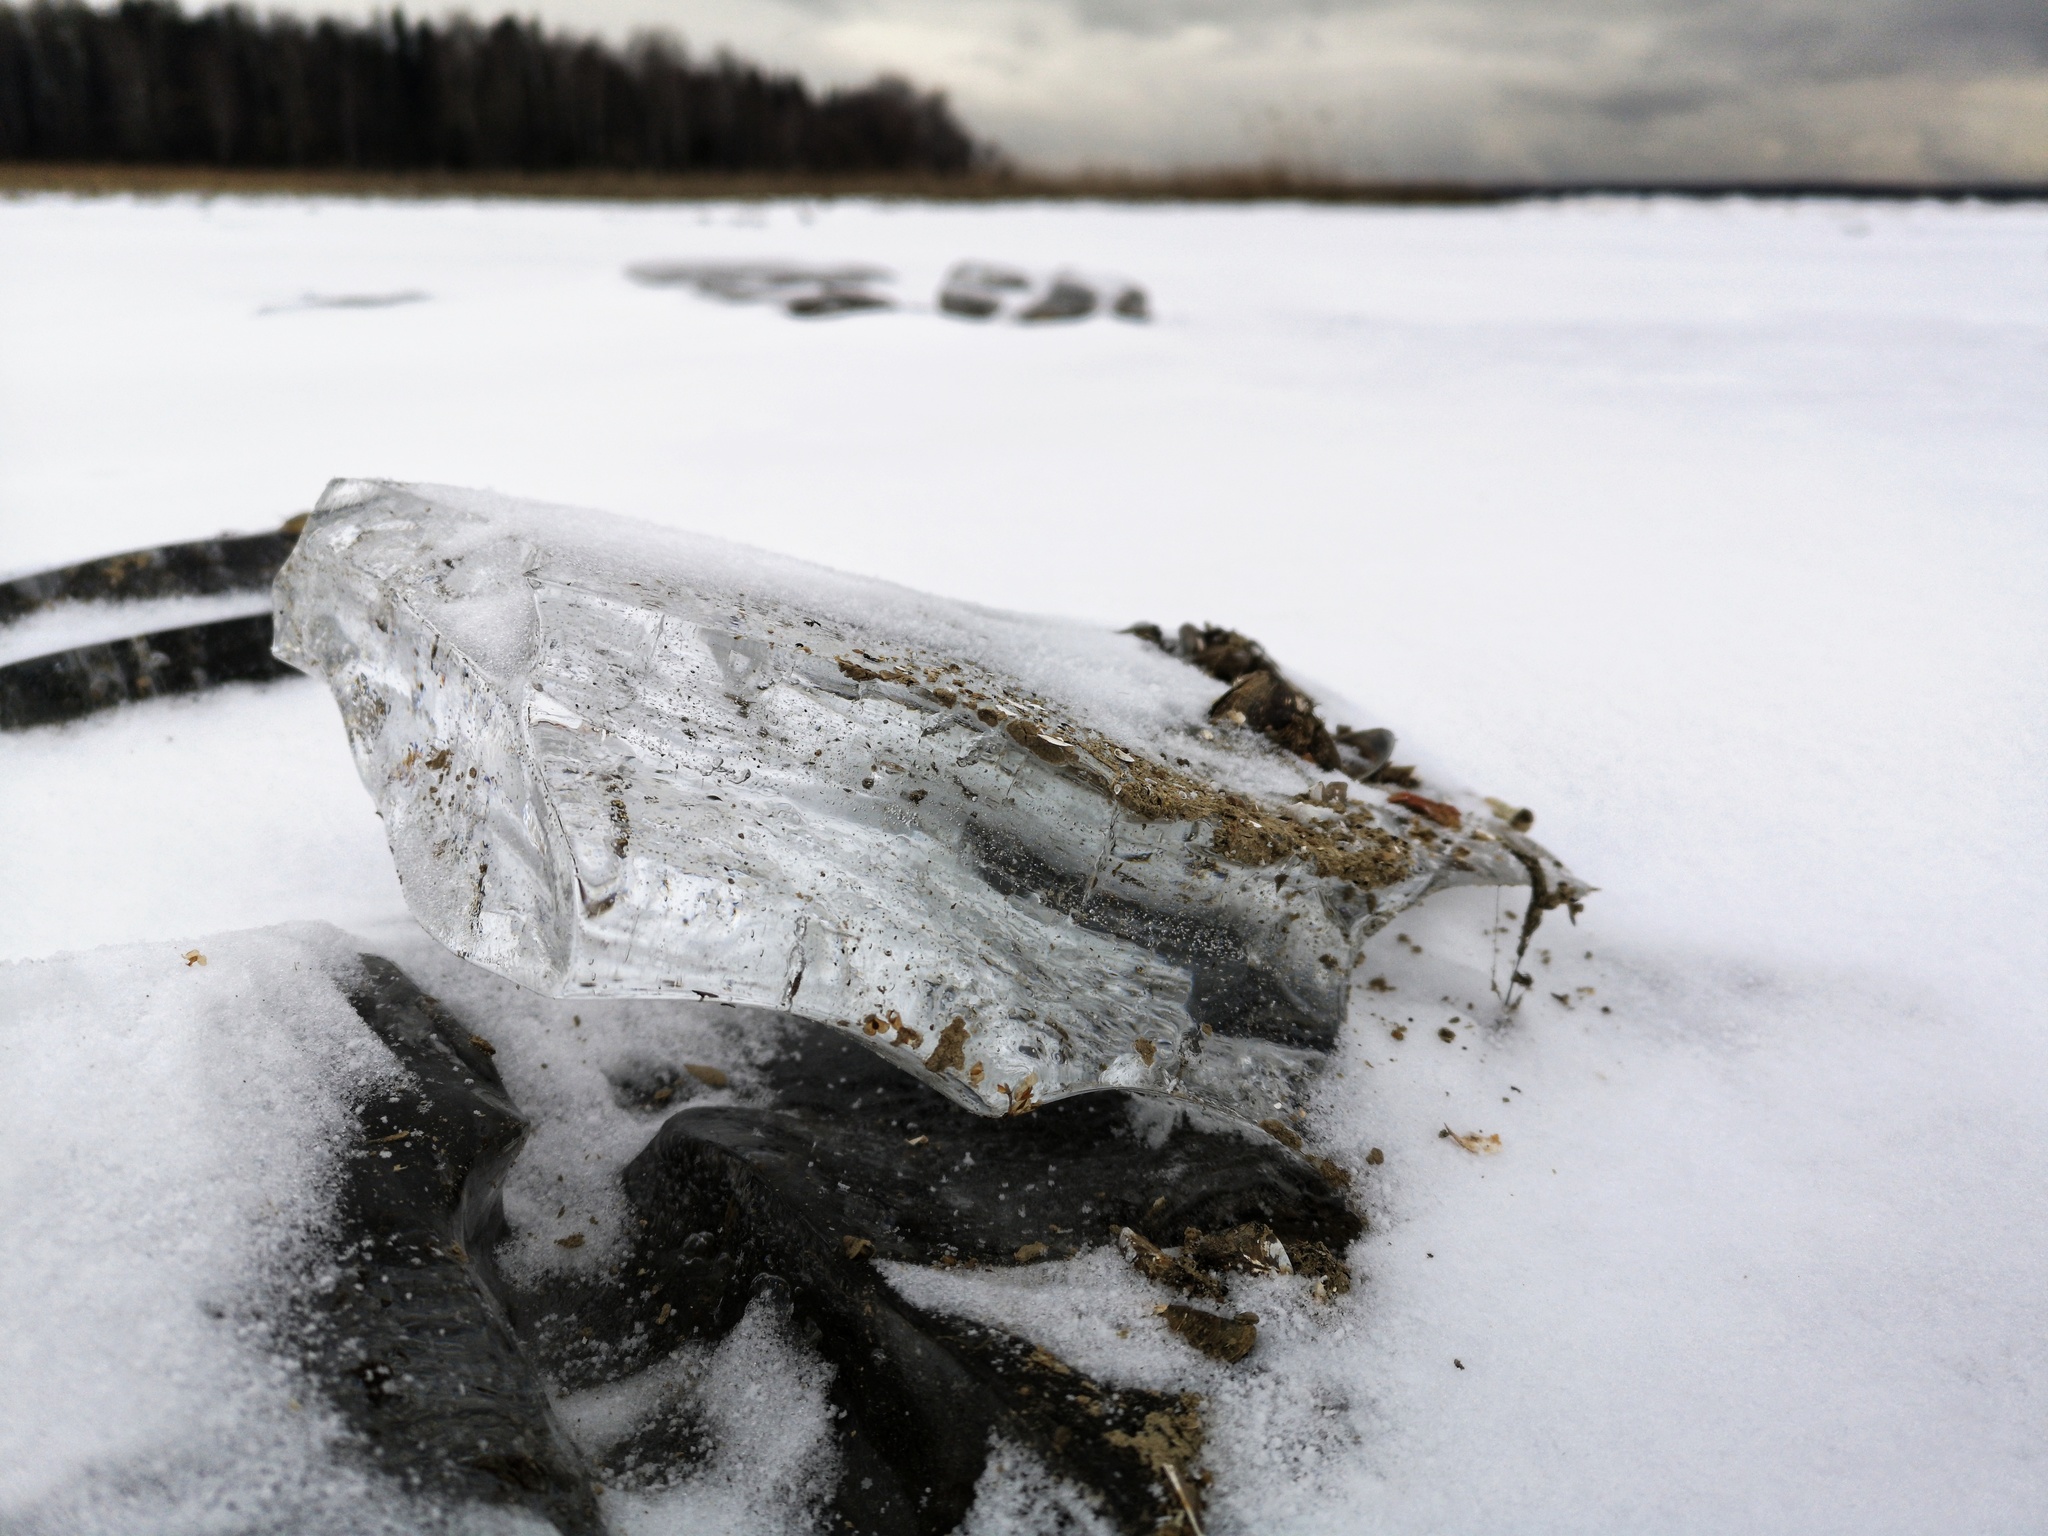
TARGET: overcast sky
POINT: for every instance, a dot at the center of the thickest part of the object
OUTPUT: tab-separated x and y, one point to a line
1891	89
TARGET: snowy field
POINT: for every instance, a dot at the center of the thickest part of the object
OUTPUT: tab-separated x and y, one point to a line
1717	533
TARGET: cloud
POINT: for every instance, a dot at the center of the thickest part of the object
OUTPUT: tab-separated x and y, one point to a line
1479	89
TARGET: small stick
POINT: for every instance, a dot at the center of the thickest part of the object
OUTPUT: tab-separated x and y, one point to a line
1186	1503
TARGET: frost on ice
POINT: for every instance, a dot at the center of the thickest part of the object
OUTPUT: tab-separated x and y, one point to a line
1023	856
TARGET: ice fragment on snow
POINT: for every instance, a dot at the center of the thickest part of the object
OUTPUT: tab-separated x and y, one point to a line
980	290
800	289
1009	851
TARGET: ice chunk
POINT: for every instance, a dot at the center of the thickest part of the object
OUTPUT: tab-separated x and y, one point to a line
981	290
1014	853
801	290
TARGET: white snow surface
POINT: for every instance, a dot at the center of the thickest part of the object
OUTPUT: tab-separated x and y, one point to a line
764	1407
1713	531
167	1164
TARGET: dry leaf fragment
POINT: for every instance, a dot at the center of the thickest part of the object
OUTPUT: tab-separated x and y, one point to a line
1436	810
710	1077
1030	1252
856	1247
192	957
1478	1142
573	1240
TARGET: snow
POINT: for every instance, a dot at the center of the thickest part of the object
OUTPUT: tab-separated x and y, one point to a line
765	1414
166	1157
1710	530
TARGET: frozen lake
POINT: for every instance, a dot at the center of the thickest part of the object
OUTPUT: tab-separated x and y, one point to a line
1715	532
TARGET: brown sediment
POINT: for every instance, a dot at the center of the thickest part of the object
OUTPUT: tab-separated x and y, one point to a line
1344	847
1267	703
1336	1174
1046	1362
1319	1262
861	674
1347	846
1246	1248
1163	1268
1350	849
1046	748
1228	1339
1260	696
1283	1133
1168	1439
950	1054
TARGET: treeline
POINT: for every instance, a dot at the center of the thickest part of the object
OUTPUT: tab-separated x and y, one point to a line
144	83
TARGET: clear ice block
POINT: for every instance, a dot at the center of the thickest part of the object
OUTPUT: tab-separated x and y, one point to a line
1012	853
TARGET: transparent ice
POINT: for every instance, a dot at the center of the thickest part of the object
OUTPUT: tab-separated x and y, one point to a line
1011	852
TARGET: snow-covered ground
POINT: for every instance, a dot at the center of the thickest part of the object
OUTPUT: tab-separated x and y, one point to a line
1717	533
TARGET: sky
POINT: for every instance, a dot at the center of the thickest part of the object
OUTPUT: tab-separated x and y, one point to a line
1898	90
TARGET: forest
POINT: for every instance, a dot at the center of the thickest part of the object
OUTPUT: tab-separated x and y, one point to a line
145	84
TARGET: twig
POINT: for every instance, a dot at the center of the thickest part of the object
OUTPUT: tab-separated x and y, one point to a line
1186	1503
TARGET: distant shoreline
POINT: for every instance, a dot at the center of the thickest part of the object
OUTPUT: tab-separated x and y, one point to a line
1213	186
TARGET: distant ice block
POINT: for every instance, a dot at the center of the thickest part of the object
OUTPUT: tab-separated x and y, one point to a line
981	290
804	291
1013	853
